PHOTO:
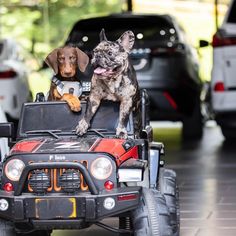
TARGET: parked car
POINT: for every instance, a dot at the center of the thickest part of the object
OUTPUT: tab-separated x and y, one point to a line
223	81
165	62
14	87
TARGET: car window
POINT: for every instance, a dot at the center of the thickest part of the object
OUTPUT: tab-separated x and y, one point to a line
232	14
148	31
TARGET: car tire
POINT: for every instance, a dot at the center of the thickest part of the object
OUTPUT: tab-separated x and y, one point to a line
168	187
6	228
151	216
193	124
228	133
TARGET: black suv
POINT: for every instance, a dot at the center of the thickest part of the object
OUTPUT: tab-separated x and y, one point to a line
165	62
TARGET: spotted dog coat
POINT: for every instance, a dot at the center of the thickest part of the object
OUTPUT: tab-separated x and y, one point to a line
114	79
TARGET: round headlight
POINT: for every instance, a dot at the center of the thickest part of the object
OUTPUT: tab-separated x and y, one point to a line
101	168
14	169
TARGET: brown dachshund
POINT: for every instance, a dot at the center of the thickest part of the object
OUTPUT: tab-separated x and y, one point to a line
65	61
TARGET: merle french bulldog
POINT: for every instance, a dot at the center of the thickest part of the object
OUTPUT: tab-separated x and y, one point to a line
114	79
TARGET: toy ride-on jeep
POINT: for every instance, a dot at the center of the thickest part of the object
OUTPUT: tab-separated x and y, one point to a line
53	179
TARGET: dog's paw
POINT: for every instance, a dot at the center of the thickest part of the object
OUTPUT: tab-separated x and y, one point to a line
121	133
82	127
73	102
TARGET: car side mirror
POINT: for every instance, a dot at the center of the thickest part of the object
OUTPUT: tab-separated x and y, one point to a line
7	130
203	43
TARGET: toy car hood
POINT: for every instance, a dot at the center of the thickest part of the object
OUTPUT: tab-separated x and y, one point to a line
120	149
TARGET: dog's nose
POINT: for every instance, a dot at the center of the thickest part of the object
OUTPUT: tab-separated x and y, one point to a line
68	71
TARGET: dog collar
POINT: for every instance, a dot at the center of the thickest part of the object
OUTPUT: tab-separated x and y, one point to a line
63	87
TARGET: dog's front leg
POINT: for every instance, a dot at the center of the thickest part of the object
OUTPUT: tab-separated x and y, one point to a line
125	109
92	107
72	101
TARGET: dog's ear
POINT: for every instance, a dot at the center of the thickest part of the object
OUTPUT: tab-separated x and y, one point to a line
83	59
102	36
51	60
127	40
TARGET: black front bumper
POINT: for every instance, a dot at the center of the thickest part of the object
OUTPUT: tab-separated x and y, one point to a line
60	210
56	211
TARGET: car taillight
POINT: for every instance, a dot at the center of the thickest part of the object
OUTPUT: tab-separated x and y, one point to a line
219	87
7	74
170	100
219	41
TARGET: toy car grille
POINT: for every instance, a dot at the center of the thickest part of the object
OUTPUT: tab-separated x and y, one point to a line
56	180
39	181
69	181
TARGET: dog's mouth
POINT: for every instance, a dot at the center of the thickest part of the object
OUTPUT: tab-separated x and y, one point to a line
100	71
106	71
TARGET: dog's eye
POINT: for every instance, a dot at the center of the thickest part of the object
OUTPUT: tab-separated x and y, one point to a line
72	58
61	59
110	53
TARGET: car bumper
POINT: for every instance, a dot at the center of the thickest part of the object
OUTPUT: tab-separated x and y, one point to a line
63	211
224	102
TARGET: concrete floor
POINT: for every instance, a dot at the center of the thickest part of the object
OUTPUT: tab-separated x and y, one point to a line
207	182
207	179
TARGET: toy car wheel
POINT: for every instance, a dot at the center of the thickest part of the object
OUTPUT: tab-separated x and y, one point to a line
168	187
6	228
36	233
152	215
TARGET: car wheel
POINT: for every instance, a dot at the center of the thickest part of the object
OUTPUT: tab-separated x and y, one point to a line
152	216
167	185
229	133
6	228
193	125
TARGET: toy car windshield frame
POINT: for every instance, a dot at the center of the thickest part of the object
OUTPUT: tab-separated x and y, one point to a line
49	116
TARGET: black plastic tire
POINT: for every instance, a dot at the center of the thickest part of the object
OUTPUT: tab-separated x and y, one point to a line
36	233
193	124
167	185
6	228
152	216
